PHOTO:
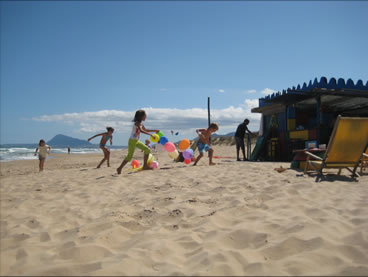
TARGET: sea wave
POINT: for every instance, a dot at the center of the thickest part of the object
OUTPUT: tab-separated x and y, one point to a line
26	153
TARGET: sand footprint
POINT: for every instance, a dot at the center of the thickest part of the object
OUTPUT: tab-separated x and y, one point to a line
241	239
292	246
84	253
33	223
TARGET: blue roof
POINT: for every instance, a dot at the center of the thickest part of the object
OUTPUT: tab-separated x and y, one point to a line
340	84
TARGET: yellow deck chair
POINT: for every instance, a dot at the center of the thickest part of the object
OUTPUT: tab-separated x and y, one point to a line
345	148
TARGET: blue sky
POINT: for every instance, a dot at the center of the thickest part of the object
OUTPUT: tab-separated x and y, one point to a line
74	68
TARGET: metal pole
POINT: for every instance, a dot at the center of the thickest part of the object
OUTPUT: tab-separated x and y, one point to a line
209	114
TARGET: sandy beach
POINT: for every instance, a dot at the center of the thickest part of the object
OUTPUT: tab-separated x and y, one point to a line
234	218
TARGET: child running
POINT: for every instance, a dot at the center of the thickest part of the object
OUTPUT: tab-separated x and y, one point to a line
105	137
43	149
204	142
134	142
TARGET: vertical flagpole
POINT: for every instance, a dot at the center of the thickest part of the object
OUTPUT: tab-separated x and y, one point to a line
209	114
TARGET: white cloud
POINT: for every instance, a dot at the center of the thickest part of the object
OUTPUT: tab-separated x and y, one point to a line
251	103
221	91
183	120
267	91
251	91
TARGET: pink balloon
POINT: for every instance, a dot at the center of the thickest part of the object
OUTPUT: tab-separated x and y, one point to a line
170	147
154	165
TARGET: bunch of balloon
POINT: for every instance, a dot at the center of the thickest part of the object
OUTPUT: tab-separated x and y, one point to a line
167	145
156	138
187	153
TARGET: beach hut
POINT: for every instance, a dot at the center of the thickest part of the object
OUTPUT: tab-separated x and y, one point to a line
303	117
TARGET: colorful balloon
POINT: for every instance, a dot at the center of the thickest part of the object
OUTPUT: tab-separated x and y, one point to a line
184	144
160	134
135	163
155	138
150	159
174	154
187	161
188	154
170	147
154	165
163	140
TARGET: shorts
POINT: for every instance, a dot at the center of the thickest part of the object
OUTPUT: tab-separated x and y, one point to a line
239	142
202	147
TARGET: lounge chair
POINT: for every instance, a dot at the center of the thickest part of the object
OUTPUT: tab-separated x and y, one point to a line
345	149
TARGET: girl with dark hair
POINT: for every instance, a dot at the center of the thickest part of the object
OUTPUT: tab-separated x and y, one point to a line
43	149
105	137
134	142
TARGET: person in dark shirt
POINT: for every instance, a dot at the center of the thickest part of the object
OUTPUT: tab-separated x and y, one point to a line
239	138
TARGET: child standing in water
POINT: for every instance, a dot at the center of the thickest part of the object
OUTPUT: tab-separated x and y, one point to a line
203	143
134	142
105	137
43	149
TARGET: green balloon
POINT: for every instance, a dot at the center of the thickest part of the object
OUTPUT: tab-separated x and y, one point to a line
160	134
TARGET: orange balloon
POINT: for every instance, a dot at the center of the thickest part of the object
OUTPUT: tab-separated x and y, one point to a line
184	144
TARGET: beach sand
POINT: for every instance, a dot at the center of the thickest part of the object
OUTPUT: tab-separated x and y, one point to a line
235	218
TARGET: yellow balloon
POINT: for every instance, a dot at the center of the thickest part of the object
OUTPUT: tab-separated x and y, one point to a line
174	154
155	138
150	159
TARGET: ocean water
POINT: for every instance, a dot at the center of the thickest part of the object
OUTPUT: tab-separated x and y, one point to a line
26	152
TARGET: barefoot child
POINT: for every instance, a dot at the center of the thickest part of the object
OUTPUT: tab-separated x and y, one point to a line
105	137
43	149
204	142
134	142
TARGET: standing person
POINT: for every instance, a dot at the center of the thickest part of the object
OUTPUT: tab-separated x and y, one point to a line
203	143
68	150
134	142
43	149
105	137
239	138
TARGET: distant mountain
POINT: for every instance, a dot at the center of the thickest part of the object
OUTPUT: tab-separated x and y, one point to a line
65	141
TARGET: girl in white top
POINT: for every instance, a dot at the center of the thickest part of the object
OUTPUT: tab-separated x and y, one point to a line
134	142
43	149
